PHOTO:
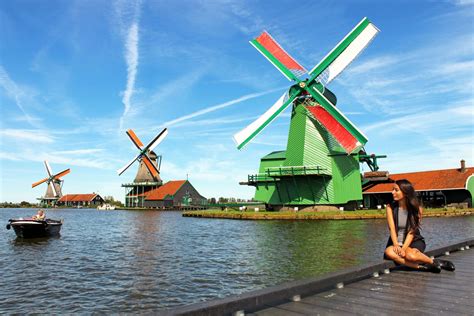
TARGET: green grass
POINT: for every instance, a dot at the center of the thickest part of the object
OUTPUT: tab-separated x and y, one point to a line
330	214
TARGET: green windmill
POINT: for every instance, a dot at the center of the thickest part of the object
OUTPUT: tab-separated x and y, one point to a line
321	163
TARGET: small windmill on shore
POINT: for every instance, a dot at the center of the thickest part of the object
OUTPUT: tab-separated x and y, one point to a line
148	174
54	185
320	165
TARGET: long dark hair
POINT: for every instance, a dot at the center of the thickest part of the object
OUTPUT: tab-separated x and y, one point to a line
412	203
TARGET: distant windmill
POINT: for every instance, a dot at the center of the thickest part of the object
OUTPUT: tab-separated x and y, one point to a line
148	175
146	156
53	191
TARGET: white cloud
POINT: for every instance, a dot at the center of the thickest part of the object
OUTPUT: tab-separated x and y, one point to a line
26	135
428	121
373	64
63	159
79	152
14	92
464	2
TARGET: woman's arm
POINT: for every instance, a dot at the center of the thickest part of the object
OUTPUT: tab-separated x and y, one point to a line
391	225
408	240
410	234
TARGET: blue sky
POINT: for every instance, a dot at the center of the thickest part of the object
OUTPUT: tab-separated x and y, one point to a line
74	75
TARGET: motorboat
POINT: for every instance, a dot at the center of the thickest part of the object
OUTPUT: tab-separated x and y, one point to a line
106	206
31	228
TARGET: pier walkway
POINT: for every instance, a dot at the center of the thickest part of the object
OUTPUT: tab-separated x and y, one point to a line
380	289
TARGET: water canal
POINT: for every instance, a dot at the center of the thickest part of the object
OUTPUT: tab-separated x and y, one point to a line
144	261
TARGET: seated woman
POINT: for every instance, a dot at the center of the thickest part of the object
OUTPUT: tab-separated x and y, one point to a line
405	244
40	216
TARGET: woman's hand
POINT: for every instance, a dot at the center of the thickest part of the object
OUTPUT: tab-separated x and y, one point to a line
402	253
399	251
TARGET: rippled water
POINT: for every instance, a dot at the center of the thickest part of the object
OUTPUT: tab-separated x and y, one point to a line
145	261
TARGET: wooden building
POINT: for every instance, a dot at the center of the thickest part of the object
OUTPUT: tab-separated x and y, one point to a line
435	188
176	194
81	200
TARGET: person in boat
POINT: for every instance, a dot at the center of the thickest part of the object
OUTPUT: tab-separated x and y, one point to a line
40	216
405	244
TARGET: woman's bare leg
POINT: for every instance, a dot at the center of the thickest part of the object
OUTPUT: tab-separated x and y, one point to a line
400	260
416	256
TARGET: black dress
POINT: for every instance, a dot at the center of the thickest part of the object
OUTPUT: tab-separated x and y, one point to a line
418	241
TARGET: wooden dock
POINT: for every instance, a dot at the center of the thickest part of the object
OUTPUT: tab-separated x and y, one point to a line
380	289
397	293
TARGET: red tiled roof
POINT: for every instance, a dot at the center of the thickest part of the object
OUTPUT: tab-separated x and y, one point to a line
428	180
169	188
77	197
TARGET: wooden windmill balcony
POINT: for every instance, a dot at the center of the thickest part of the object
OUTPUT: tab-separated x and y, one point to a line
276	173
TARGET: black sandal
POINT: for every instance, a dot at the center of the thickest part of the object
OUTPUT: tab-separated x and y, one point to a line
430	267
445	264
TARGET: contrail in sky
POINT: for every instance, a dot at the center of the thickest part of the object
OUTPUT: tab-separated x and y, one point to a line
219	106
15	93
131	57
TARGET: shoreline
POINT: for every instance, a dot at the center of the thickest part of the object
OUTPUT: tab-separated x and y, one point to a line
319	215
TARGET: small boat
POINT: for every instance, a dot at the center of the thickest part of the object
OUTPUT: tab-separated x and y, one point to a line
106	206
30	228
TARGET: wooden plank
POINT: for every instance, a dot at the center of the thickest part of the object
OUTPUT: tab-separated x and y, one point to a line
300	308
315	302
338	297
417	295
395	300
448	297
376	303
276	311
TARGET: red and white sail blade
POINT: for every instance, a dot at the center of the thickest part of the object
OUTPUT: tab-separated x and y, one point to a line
248	133
150	166
336	129
345	52
158	139
275	54
122	170
134	138
48	168
61	174
39	182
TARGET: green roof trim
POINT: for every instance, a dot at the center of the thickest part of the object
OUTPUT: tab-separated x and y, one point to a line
276	155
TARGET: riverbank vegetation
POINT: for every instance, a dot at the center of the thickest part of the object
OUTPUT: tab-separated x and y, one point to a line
317	215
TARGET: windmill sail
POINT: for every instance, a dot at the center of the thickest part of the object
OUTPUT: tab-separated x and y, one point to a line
339	132
248	133
345	52
122	170
336	121
269	48
39	182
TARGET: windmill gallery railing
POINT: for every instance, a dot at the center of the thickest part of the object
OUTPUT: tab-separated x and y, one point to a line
272	173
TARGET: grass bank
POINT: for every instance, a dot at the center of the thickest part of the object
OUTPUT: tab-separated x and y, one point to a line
317	215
